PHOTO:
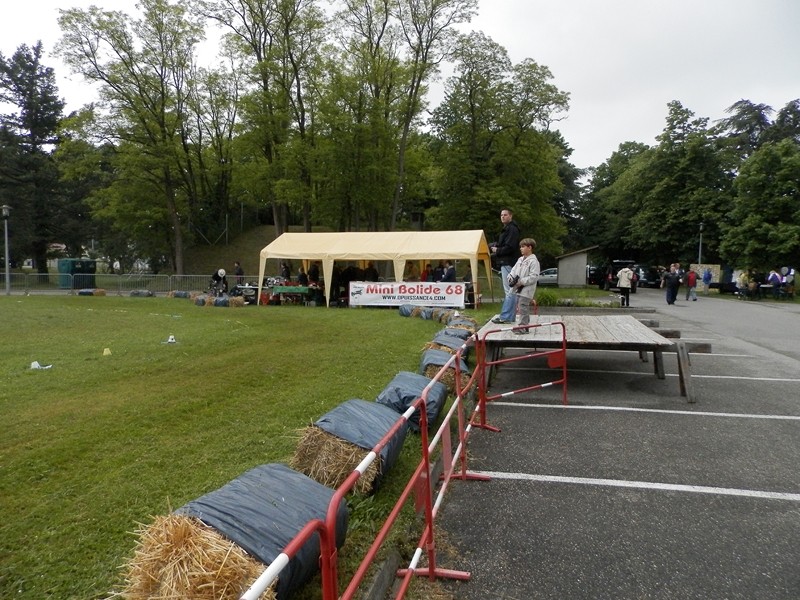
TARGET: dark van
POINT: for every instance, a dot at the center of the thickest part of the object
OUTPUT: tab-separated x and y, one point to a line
610	281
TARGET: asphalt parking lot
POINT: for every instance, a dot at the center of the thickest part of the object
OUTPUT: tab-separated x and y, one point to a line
630	492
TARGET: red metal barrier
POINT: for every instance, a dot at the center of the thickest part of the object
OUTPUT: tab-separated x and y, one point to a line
428	496
555	358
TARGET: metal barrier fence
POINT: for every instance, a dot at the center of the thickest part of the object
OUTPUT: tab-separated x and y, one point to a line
121	285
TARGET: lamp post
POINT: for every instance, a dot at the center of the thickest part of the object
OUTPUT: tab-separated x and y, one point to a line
6	212
700	247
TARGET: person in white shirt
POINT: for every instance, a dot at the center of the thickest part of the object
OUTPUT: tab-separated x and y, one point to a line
624	278
522	280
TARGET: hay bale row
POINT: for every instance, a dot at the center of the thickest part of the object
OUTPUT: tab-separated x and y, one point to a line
178	556
142	294
225	301
182	294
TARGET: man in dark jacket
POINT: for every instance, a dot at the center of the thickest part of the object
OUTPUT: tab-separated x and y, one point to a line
505	253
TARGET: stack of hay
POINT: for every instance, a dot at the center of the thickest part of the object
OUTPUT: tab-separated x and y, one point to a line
331	448
215	547
433	361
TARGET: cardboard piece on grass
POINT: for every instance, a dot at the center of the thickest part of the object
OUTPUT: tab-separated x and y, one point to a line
35	365
107	352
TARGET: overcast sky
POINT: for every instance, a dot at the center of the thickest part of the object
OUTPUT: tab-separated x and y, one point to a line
621	61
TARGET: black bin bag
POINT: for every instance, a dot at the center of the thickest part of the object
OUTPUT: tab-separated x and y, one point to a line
263	509
364	424
407	387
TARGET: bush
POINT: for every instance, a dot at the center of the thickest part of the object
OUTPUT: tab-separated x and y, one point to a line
546	297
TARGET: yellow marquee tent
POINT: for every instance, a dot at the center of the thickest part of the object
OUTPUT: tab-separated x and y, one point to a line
396	246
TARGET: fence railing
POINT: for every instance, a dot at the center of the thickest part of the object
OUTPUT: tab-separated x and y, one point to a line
123	285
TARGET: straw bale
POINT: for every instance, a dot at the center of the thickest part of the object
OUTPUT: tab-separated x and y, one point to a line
179	557
210	300
99	292
236	301
329	460
448	378
417	311
435	346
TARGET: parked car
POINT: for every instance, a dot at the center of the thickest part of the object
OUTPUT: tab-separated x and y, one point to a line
649	277
593	275
548	277
610	280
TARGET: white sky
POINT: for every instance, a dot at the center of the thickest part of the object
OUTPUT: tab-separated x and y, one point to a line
621	61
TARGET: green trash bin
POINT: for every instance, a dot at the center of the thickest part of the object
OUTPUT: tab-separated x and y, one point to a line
76	273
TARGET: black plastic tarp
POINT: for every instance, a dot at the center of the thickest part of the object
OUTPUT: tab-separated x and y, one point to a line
452	342
407	387
439	358
263	509
364	424
462	334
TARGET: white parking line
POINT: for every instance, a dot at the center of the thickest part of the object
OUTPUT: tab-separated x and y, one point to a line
645	485
650	374
694	413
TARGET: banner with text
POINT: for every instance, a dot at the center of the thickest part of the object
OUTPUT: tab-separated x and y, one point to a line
396	293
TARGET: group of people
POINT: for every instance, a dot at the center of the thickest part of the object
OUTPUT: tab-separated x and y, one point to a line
752	285
519	272
675	276
444	271
219	279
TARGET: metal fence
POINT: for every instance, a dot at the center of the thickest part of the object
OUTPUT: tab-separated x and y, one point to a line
121	285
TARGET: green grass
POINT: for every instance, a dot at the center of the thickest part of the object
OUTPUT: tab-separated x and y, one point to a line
97	444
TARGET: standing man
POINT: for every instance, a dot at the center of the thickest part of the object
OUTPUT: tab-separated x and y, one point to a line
505	253
707	277
672	281
624	278
239	272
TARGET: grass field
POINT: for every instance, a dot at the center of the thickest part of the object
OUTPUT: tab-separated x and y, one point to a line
98	443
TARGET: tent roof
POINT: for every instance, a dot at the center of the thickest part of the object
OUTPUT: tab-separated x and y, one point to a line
384	245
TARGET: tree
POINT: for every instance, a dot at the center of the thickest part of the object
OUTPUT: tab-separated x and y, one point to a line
425	26
144	67
488	147
765	223
28	174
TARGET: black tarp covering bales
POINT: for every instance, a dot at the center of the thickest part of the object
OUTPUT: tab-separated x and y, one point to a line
462	334
449	341
407	387
364	424
463	323
439	358
263	509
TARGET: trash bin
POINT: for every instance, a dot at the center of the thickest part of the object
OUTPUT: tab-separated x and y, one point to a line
76	273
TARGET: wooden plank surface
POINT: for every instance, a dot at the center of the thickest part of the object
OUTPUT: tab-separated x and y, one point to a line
610	332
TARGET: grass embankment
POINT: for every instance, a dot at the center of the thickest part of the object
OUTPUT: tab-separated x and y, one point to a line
97	444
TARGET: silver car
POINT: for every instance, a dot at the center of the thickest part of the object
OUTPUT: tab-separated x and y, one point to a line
548	277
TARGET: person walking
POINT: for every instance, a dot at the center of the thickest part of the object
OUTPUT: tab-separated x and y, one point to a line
505	253
624	279
691	285
671	281
522	279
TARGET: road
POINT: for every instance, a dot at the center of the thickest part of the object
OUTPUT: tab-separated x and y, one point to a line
630	492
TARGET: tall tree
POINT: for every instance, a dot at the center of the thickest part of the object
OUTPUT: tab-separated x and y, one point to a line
492	146
426	27
764	230
144	67
28	174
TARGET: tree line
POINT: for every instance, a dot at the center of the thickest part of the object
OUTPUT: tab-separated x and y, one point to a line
319	117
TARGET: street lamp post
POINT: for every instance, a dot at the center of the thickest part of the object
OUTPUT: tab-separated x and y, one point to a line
700	247
6	212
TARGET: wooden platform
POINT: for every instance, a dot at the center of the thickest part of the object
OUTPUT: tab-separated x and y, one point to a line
591	332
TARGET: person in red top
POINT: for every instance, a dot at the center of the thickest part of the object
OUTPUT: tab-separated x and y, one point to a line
691	285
